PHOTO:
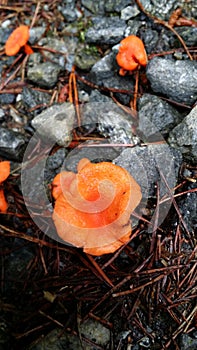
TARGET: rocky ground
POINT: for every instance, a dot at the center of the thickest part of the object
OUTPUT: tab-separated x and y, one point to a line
67	101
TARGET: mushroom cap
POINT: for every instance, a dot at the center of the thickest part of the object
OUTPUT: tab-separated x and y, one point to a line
16	40
92	208
4	170
131	53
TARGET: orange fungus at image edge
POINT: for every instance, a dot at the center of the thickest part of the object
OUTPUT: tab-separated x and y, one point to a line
4	173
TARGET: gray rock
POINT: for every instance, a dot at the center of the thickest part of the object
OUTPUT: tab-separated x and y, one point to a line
161	9
188	34
121	83
175	79
86	57
36	33
55	160
188	209
115	125
94	154
4	34
184	136
96	7
59	340
156	116
129	12
70	15
146	163
59	48
103	69
187	342
55	124
150	39
33	98
189	9
44	74
12	144
116	5
96	332
69	11
111	120
105	73
133	27
6	99
106	30
2	114
97	96
54	164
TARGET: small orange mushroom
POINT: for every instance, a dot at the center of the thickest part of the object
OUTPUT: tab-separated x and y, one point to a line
93	207
4	173
131	54
18	38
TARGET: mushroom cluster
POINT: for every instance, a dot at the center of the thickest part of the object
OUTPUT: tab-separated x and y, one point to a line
93	207
18	39
131	54
4	173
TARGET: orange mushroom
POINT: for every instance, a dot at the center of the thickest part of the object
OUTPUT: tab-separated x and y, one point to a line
18	38
93	207
3	202
4	173
131	54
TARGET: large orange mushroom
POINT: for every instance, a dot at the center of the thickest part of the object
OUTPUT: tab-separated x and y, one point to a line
93	207
17	39
4	173
131	54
